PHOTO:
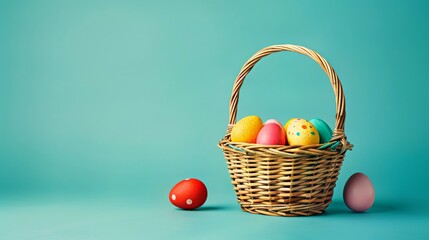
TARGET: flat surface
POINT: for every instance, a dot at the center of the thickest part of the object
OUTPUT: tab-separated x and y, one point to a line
46	218
106	104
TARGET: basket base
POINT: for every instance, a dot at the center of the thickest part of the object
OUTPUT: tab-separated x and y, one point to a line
286	210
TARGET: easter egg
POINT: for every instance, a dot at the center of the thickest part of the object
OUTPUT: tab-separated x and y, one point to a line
288	122
272	121
325	132
359	193
246	130
188	194
301	132
271	134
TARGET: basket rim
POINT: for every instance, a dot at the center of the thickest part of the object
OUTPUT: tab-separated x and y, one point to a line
331	148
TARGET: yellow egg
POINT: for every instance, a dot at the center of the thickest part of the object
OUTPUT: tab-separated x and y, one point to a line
246	130
287	123
301	132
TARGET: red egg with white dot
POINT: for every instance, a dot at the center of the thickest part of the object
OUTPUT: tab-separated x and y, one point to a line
188	194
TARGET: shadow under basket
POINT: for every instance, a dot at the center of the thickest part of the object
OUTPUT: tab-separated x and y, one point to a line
286	180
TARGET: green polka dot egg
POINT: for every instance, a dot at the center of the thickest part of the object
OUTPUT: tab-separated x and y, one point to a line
301	132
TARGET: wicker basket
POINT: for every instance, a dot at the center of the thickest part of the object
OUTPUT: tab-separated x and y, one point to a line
286	180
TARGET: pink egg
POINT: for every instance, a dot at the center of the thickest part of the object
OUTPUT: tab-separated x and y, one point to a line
359	193
271	134
273	121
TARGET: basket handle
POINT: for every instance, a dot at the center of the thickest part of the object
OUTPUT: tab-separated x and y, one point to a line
335	82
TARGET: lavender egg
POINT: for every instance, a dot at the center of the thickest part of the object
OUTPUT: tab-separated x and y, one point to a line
359	193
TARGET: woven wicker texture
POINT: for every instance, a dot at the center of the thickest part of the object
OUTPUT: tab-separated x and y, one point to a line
286	180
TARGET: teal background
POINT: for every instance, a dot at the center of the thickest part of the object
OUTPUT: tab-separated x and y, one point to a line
105	105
